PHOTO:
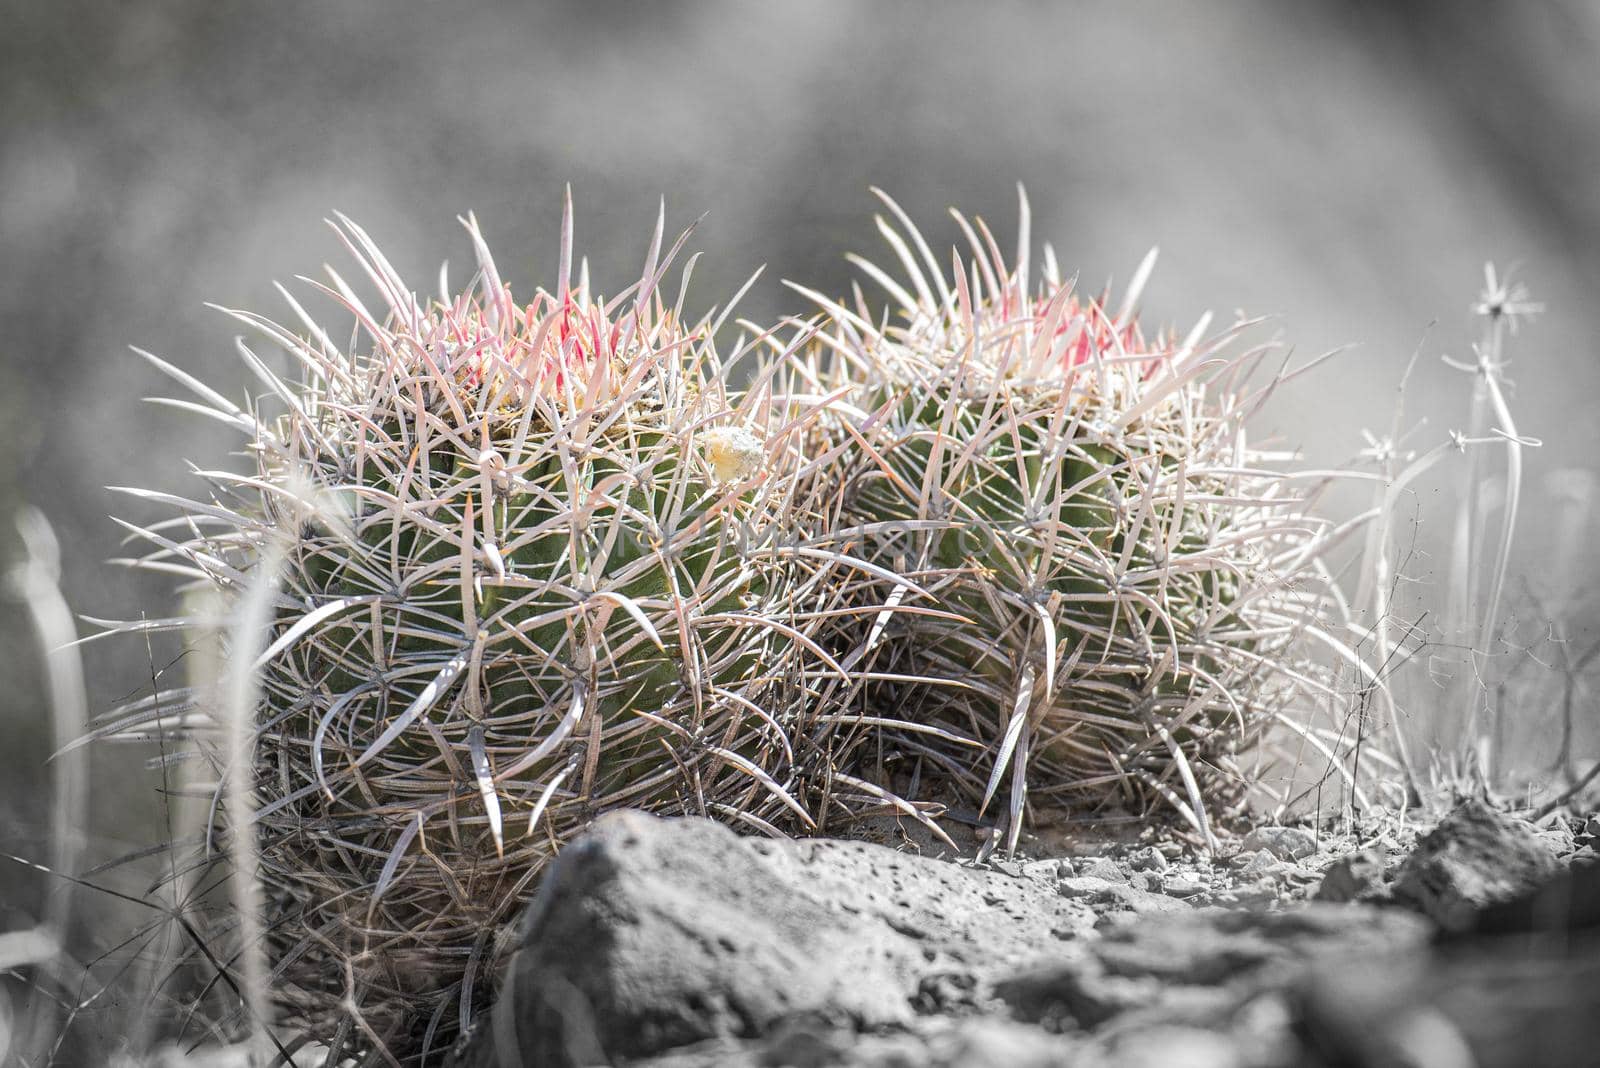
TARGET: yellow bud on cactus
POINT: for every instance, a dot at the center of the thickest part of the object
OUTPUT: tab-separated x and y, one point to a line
734	453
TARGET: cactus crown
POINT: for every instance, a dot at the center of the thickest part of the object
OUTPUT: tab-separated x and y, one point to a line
526	563
522	563
1126	588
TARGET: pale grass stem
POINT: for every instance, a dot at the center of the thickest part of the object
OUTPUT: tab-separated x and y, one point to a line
36	582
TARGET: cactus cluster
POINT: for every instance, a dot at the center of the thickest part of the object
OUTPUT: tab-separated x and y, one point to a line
529	564
530	561
1125	585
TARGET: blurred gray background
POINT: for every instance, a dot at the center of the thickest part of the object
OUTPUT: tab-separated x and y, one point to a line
1344	166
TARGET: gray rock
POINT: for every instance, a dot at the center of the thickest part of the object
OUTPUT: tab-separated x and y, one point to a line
1151	882
1258	864
995	1043
1175	1047
1354	877
1518	986
1046	869
1195	969
1182	884
934	1043
1246	895
1489	1002
1147	859
1073	995
1107	896
1474	858
1099	868
643	938
1084	886
1566	905
649	935
678	944
1285	843
799	1042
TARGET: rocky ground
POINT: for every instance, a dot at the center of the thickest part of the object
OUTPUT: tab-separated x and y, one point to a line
678	944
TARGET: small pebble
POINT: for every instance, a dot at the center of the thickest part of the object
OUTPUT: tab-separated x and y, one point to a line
1080	886
1151	882
1176	1047
1262	863
1249	895
1182	885
1147	859
1286	843
1045	869
1099	868
1352	877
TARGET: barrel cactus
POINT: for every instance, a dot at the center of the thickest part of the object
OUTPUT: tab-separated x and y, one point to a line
528	562
1125	588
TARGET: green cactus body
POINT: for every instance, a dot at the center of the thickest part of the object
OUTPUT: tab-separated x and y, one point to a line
529	575
1129	582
